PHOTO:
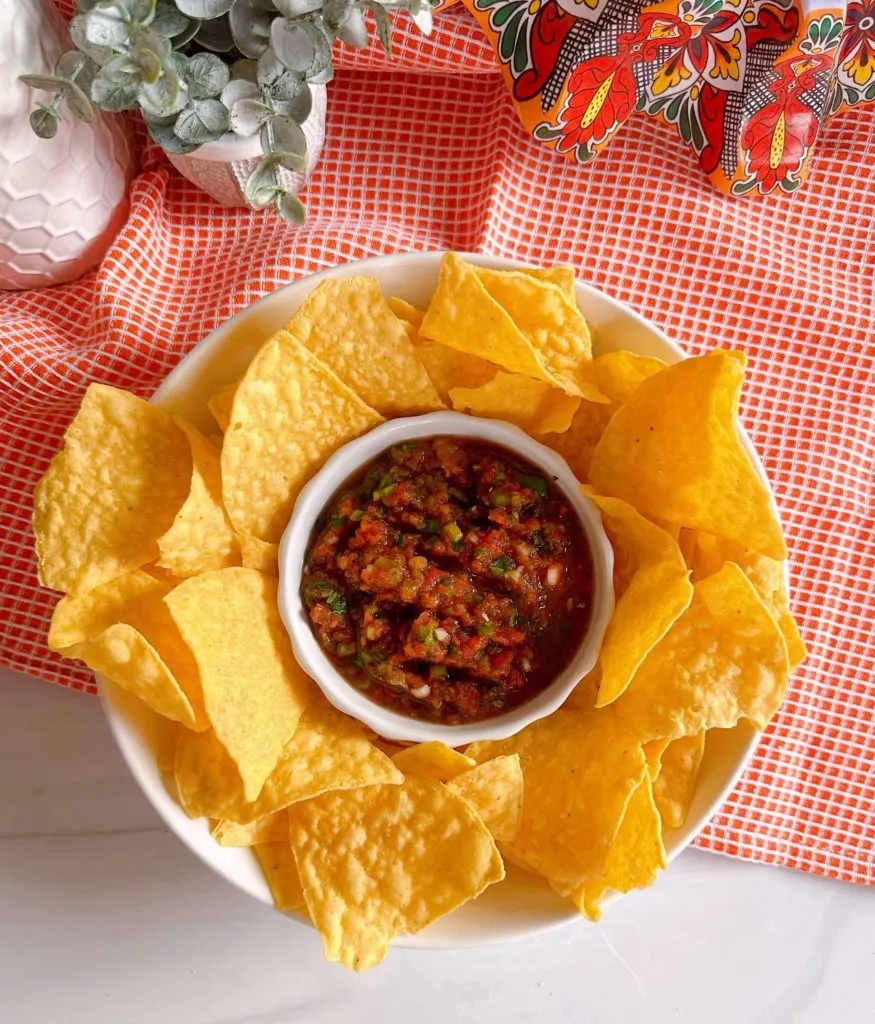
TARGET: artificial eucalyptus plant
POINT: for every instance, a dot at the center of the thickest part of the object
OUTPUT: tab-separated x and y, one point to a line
200	68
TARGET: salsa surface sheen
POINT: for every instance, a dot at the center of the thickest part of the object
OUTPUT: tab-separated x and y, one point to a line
449	581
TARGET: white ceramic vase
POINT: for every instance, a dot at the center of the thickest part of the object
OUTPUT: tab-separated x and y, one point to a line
222	168
62	200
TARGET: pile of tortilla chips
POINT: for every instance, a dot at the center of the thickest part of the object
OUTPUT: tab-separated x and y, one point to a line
164	542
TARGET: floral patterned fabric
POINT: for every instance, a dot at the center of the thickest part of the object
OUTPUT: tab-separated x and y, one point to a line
747	84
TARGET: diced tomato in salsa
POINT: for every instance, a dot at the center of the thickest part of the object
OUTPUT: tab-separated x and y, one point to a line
450	582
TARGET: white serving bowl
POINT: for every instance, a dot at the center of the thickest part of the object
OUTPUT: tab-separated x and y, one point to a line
311	504
522	905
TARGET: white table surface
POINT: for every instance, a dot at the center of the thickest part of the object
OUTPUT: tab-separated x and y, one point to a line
106	917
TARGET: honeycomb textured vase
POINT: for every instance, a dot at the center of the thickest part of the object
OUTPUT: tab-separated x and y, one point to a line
62	200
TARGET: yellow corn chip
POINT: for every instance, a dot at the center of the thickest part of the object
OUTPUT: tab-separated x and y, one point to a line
495	791
653	751
259	554
272	828
347	324
279	867
562	277
405	310
449	368
327	751
531	404
654	600
464	316
616	375
709	553
111	493
220	405
433	854
201	537
290	413
432	760
723	660
675	785
635	857
579	771
673	451
166	753
254	691
552	324
122	629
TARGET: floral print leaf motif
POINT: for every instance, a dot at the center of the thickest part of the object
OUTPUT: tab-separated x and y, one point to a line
745	83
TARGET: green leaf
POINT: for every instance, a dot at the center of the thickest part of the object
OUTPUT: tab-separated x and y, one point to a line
107	27
77	67
99	54
185	37
202	121
121	70
300	46
167	139
264	176
169	20
79	103
283	135
298	109
384	29
245	69
335	12
48	83
112	96
239	89
422	16
295	8
291	208
216	35
354	31
44	122
135	11
274	76
250	27
205	9
207	76
166	96
248	115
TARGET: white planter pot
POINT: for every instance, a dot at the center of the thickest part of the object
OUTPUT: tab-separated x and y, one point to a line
62	200
221	169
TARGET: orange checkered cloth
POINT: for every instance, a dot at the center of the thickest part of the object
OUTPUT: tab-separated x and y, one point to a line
431	155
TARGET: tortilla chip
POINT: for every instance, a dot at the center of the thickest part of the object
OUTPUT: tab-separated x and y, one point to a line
432	760
278	864
328	751
165	756
673	450
552	324
616	375
709	553
531	404
562	277
434	854
495	791
272	828
723	660
653	751
201	537
405	310
220	405
290	413
448	368
259	554
122	630
347	324
254	690
675	785
579	771
114	489
635	857
462	315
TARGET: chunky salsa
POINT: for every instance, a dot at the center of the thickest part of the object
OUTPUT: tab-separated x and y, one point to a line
451	581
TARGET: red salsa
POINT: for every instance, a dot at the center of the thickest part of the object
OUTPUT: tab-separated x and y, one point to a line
450	581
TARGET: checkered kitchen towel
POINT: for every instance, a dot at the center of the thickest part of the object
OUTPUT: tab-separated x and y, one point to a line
431	155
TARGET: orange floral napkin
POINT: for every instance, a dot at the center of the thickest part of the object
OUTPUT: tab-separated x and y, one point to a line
431	156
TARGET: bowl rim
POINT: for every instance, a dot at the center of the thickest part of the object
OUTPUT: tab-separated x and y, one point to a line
129	737
312	502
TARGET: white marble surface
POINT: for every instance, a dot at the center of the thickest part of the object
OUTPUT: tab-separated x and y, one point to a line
105	917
